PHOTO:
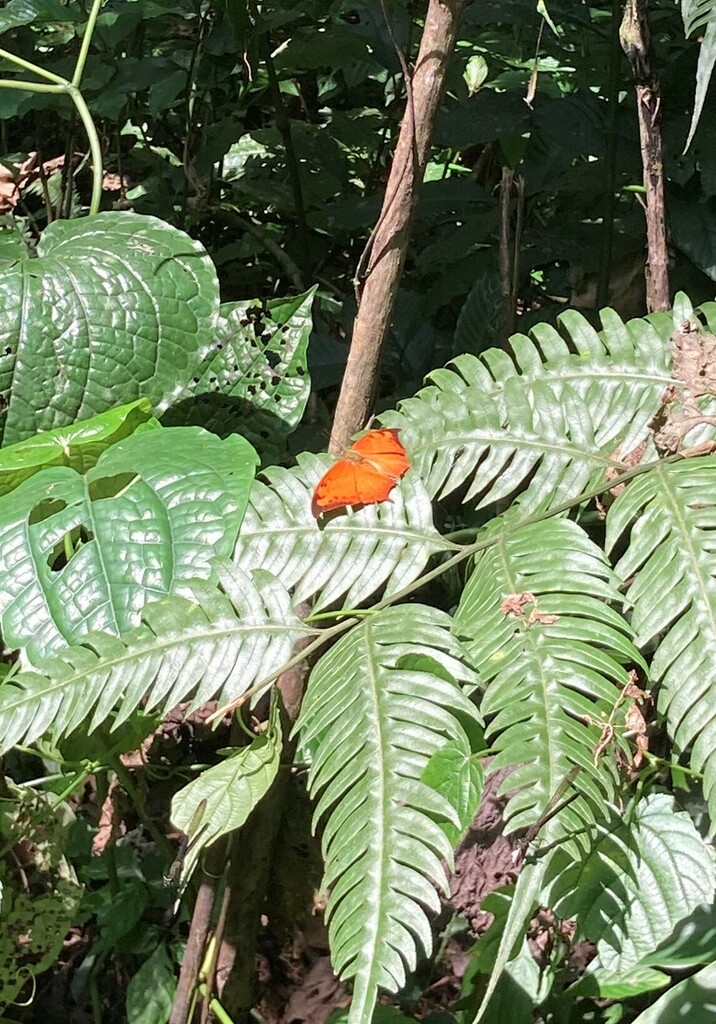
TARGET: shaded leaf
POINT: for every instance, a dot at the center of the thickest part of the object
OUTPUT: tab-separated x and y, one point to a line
78	446
224	795
646	870
668	517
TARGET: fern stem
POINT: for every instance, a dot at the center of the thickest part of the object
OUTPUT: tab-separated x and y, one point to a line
456	559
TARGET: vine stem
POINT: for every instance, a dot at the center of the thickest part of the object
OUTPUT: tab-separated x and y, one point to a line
86	43
61	86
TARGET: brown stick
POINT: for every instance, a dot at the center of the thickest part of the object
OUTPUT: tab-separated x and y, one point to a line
382	267
636	42
200	921
506	253
252	854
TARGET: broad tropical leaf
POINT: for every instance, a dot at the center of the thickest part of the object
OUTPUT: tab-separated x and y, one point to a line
547	421
377	719
646	870
668	516
214	645
551	654
222	797
253	377
115	307
79	553
349	557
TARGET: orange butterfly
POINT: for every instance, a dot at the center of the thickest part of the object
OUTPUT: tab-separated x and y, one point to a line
366	474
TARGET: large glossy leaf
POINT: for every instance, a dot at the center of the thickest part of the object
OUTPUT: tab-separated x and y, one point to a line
551	653
78	446
646	870
80	553
547	420
668	516
349	557
115	307
377	719
213	645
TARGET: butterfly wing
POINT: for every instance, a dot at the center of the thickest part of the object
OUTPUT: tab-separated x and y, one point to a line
384	451
366	475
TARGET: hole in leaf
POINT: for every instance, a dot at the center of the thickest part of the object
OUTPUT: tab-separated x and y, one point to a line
63	552
46	509
110	486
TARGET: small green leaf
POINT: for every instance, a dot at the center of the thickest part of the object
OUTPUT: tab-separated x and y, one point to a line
150	991
603	984
475	73
226	794
542	9
78	446
454	773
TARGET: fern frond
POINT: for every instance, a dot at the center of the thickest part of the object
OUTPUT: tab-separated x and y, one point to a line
348	558
700	16
670	514
550	651
377	714
545	420
215	645
697	15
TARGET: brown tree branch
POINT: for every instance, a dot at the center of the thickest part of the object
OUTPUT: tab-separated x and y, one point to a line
636	42
252	855
380	270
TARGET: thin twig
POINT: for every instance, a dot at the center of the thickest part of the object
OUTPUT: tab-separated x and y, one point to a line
636	42
610	161
283	124
211	875
505	252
